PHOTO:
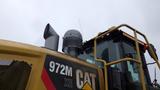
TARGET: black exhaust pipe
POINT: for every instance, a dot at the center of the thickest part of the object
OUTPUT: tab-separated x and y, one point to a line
51	38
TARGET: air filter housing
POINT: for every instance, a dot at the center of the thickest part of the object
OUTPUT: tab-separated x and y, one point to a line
72	42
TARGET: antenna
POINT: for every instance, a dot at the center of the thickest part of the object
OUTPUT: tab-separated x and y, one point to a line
79	23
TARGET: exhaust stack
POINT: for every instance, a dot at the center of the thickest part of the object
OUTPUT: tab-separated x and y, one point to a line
51	38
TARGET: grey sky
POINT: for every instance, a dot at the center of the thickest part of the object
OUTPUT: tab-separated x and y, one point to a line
25	20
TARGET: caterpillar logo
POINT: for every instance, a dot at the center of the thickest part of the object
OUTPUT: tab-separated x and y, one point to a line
85	80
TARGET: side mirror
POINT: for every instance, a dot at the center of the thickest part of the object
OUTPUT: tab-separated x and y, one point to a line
152	52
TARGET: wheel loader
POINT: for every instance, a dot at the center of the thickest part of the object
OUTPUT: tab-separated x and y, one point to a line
112	60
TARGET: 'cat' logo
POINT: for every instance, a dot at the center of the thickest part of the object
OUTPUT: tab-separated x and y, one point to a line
85	77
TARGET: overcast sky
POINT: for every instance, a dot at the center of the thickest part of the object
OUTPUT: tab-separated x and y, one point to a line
25	20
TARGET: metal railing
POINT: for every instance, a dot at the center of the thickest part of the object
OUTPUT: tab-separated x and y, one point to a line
137	60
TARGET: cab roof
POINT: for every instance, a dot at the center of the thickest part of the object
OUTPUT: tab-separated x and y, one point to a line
118	34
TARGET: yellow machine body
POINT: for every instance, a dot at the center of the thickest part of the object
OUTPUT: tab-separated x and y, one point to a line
35	56
92	77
